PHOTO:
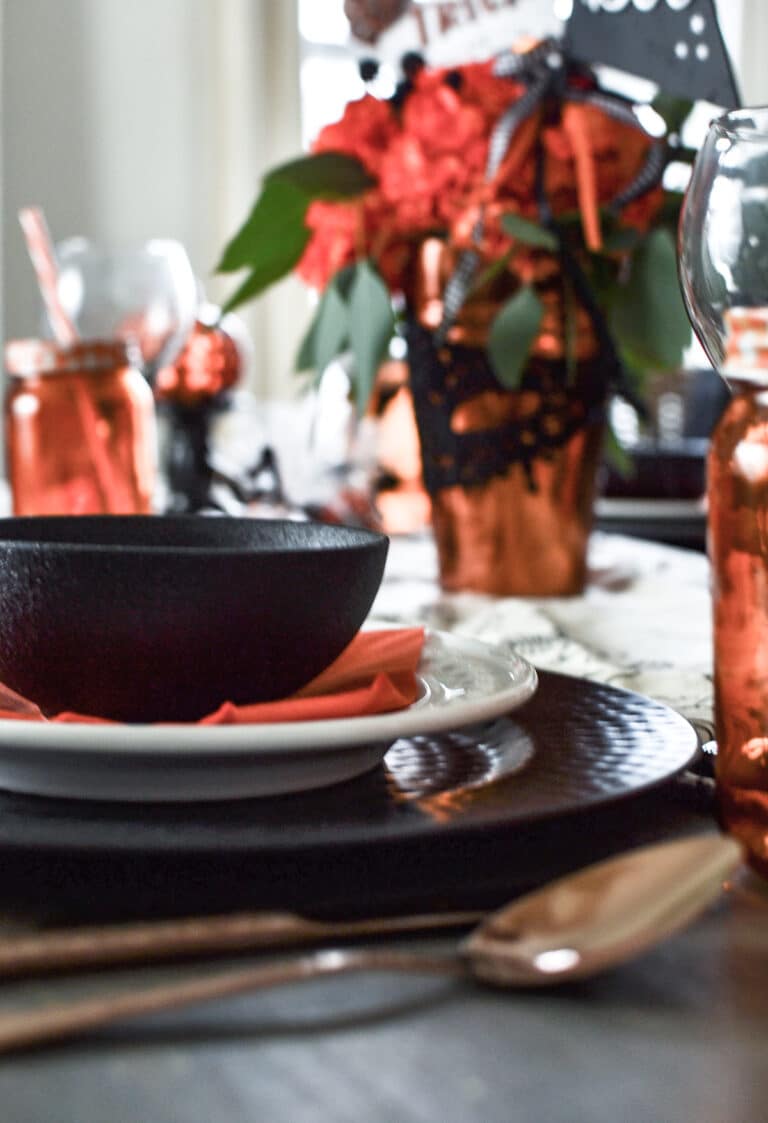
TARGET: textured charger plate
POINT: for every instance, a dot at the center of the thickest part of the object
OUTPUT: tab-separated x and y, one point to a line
460	681
575	746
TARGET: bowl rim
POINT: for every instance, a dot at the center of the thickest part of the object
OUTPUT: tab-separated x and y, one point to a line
351	538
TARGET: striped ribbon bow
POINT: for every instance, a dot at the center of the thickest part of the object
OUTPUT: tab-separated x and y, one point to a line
543	71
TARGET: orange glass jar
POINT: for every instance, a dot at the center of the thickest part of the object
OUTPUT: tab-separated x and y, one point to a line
738	547
79	429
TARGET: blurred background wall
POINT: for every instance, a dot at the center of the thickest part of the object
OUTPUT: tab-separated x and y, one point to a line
155	118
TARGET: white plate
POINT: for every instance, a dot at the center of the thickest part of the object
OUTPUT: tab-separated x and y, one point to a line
461	682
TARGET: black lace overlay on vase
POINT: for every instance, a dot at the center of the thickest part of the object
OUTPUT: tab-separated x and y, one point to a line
443	376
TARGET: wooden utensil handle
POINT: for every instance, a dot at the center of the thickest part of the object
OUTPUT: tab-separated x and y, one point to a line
67	949
34	1027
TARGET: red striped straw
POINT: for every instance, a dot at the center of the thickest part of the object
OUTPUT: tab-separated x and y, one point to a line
43	258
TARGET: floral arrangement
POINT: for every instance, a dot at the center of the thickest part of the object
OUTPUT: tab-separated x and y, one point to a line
518	169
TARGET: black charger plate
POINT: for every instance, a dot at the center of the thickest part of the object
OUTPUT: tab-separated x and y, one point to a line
576	746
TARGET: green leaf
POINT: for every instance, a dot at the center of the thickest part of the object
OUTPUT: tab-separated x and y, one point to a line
621	240
371	325
331	334
530	233
272	238
683	154
305	356
325	175
673	110
671	206
569	220
344	278
646	313
334	323
617	456
256	281
512	334
491	272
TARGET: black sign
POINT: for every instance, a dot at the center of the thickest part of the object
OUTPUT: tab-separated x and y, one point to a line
675	43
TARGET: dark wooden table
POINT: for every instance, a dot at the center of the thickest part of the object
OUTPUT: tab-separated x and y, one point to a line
678	1035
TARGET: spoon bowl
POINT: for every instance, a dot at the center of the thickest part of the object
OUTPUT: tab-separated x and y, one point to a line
600	916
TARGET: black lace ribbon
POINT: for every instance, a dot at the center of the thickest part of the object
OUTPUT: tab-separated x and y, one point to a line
445	376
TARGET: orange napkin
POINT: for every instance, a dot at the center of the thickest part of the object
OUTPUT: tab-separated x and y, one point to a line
375	674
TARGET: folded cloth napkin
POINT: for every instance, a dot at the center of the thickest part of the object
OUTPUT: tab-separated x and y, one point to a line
375	674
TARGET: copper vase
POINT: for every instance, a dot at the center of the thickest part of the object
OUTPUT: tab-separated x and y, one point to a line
504	538
511	473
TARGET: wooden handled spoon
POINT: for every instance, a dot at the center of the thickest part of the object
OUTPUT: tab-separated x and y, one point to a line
70	949
573	928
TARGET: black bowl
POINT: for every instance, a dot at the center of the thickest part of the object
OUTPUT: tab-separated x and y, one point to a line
154	618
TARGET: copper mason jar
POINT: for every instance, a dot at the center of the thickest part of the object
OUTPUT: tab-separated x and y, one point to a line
79	429
522	526
737	491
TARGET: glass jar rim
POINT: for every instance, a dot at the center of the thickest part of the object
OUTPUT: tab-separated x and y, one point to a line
27	357
747	123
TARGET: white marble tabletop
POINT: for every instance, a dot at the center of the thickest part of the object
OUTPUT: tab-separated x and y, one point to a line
643	623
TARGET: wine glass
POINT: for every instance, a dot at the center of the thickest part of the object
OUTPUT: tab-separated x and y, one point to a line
145	294
723	261
723	241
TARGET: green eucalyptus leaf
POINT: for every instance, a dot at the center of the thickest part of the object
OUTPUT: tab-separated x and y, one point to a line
331	334
329	311
647	315
344	278
512	333
491	272
530	233
371	325
621	240
617	456
273	237
324	175
305	356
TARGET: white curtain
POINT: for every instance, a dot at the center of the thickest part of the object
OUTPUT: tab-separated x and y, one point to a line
750	51
150	119
258	124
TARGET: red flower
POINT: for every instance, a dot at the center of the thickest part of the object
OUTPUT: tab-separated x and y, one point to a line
642	212
408	184
491	94
429	160
334	229
439	117
366	130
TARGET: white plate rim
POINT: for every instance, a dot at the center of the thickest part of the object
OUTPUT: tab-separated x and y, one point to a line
298	737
